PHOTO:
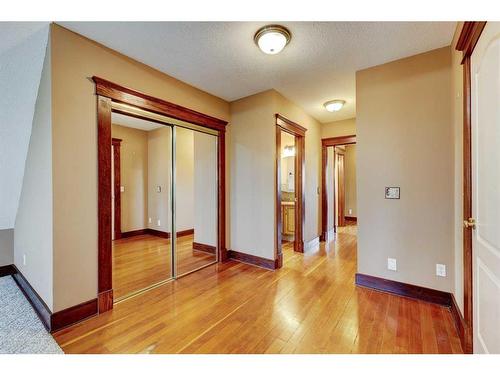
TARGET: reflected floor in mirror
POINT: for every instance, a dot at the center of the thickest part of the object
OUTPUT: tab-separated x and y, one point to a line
311	305
143	260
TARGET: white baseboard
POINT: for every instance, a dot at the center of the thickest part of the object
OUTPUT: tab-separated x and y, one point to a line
330	235
312	244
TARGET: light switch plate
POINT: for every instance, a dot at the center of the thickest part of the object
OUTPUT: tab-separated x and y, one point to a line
150	221
441	270
158	189
159	222
392	264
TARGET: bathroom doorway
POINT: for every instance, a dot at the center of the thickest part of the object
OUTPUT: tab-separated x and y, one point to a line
289	188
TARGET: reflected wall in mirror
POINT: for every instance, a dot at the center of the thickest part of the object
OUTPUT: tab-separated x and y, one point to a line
196	199
141	202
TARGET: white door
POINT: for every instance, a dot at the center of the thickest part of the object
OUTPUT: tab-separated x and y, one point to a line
485	99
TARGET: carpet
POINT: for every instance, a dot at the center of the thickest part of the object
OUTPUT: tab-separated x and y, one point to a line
21	331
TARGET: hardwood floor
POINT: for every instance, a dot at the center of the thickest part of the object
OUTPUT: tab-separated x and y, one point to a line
141	261
311	305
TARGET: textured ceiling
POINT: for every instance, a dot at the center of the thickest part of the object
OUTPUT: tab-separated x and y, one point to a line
221	58
22	53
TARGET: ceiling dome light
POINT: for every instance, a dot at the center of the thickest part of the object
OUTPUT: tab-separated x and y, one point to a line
334	105
271	39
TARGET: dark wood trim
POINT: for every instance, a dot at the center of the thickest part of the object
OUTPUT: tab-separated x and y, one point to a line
105	301
133	233
116	188
33	298
105	280
290	126
7	270
122	94
108	92
73	315
325	143
339	141
158	233
283	124
155	232
270	264
204	247
186	232
405	290
53	321
459	321
351	218
221	196
471	31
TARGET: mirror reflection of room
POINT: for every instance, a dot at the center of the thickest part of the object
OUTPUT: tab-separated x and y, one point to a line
196	199
141	200
288	151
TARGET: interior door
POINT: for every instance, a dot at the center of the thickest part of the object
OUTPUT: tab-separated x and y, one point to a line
485	115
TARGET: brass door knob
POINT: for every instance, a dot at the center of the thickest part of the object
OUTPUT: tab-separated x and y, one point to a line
470	223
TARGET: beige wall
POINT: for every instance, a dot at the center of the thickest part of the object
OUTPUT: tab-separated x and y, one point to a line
184	180
159	174
33	233
6	246
205	188
252	155
404	128
133	176
338	128
457	119
312	160
350	180
74	145
252	151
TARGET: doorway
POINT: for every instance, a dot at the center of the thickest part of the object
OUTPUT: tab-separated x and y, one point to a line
161	200
290	143
338	181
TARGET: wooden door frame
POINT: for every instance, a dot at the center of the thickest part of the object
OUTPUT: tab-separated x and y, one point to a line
116	143
299	132
471	31
108	92
325	143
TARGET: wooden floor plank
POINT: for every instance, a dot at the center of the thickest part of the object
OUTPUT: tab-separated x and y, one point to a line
311	305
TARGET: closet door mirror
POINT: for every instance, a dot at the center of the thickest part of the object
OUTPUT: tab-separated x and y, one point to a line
195	199
141	204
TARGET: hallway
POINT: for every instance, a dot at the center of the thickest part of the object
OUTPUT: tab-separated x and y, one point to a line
309	306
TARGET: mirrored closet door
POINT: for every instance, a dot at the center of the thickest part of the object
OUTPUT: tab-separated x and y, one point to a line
141	202
195	199
164	199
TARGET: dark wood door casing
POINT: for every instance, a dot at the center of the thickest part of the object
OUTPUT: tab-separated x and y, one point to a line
108	92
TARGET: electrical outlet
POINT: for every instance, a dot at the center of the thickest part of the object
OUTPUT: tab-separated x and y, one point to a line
122	189
24	259
158	189
350	211
159	224
150	220
392	264
441	270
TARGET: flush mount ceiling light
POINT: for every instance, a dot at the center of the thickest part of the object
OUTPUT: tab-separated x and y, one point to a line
271	39
334	105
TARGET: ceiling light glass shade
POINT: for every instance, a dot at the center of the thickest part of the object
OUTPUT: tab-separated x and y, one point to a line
334	105
272	39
